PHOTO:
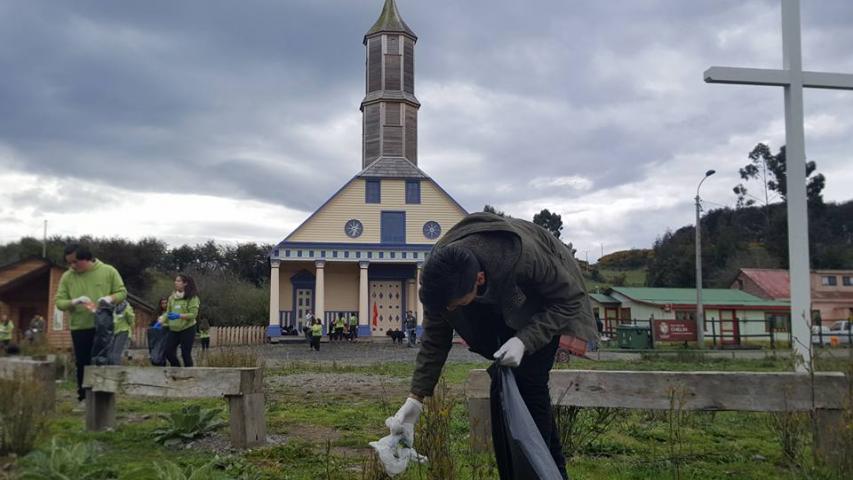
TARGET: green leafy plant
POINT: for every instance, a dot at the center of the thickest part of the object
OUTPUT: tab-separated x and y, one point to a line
188	423
61	461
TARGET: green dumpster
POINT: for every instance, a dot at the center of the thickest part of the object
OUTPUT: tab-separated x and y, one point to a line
634	337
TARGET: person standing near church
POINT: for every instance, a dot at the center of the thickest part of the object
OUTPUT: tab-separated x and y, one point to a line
353	326
411	328
510	289
316	334
87	283
180	318
7	328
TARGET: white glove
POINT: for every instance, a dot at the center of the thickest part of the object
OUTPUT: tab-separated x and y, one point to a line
106	299
511	353
403	422
81	300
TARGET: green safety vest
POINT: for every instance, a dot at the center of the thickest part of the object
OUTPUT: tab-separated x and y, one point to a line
353	320
6	331
339	323
204	334
317	330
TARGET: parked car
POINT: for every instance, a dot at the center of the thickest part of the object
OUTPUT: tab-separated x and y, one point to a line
841	331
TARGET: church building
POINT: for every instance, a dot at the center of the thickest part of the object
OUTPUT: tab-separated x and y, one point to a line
362	251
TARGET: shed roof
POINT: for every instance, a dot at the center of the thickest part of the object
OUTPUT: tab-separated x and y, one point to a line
604	299
775	282
687	296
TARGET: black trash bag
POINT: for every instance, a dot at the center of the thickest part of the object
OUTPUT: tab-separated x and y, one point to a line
520	451
157	346
103	341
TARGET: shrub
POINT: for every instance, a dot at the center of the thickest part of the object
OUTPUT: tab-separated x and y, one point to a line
233	357
579	428
188	423
432	436
23	415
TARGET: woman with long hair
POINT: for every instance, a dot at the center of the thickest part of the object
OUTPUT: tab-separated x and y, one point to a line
180	318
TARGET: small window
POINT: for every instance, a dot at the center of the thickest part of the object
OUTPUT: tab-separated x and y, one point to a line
413	191
372	191
847	281
625	315
776	322
829	280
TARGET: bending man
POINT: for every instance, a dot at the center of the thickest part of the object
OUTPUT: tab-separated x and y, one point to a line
510	289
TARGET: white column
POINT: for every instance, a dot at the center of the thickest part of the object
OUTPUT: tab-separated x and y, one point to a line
274	296
411	294
320	291
363	311
418	295
795	152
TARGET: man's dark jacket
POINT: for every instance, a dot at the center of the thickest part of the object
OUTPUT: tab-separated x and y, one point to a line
539	270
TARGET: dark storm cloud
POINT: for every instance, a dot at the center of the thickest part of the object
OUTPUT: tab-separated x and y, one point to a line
259	99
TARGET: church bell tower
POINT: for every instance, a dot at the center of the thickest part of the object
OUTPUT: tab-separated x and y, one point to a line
390	108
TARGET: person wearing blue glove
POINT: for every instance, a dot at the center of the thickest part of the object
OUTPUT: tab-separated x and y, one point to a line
510	289
180	318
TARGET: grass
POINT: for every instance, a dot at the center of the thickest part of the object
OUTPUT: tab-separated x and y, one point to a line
327	431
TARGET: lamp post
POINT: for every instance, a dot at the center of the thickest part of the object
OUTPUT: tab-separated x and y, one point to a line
700	310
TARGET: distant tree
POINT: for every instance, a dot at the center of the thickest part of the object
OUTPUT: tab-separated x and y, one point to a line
549	221
490	209
771	171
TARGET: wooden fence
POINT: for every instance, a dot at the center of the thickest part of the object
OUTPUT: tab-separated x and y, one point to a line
702	391
219	336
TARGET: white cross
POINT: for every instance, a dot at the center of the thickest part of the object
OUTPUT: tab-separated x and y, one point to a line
793	78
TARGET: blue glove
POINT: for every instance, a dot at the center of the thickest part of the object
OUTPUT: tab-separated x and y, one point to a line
157	326
173	316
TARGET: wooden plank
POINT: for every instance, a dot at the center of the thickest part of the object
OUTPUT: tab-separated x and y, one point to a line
480	419
708	391
174	382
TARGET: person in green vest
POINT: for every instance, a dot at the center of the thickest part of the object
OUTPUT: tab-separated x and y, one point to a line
87	283
180	319
353	327
123	322
339	328
6	329
316	334
204	334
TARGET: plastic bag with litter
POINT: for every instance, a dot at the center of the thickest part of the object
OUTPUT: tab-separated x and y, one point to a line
395	450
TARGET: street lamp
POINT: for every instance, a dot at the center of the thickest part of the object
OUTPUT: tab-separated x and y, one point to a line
700	310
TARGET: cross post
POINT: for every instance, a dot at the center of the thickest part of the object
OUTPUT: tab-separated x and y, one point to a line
793	79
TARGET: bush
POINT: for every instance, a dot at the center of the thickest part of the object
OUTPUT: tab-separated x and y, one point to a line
188	423
579	428
232	357
23	415
433	433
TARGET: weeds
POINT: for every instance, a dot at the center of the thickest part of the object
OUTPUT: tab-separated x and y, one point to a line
433	434
579	428
677	417
23	414
232	357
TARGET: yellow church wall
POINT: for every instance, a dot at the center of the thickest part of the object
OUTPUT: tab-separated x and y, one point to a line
341	292
327	225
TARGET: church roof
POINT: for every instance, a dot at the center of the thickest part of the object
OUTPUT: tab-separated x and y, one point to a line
390	21
392	167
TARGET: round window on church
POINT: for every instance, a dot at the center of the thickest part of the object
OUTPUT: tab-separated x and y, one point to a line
353	228
432	230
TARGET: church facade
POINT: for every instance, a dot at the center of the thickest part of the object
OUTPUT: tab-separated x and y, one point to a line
362	251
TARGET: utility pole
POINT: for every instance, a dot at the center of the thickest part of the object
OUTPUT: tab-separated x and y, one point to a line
44	241
700	309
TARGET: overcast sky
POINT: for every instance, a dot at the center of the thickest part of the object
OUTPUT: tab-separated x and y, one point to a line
234	120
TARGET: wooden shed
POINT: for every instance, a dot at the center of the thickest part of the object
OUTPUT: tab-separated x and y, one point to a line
28	288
